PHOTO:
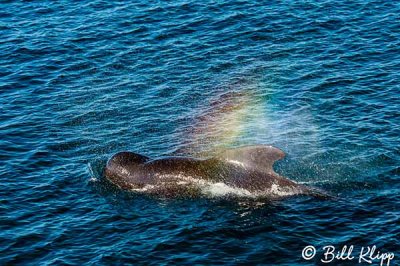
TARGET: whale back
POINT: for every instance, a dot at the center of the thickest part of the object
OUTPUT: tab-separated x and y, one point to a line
258	158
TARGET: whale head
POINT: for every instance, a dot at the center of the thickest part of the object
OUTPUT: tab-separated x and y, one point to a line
120	167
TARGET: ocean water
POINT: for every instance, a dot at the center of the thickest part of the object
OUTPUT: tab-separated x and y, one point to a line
81	80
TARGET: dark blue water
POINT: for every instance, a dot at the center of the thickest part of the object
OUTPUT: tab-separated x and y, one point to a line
80	81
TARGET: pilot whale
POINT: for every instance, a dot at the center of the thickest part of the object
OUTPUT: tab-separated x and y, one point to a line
247	168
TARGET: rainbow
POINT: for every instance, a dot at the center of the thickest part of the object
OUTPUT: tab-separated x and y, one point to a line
226	121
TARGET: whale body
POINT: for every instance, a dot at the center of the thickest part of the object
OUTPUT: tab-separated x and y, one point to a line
247	168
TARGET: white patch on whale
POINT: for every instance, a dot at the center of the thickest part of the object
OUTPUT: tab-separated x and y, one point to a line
222	189
217	189
235	162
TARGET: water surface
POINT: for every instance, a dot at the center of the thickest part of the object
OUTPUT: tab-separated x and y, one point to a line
80	81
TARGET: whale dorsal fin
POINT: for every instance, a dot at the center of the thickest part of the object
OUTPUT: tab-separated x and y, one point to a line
258	157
